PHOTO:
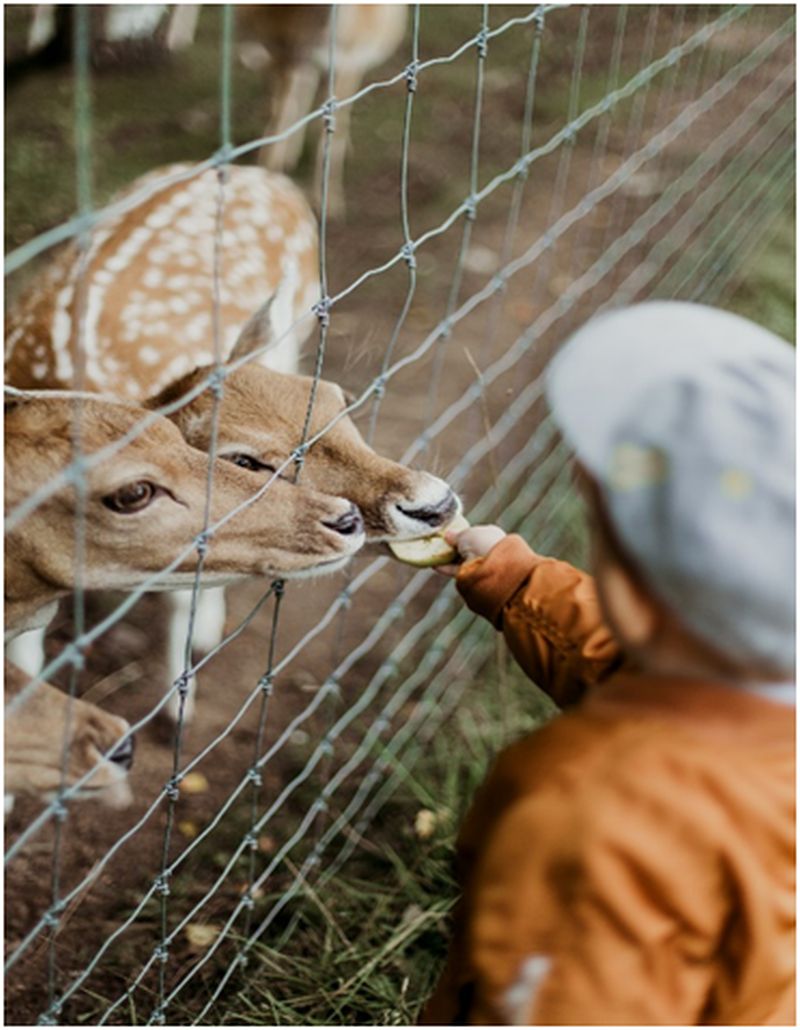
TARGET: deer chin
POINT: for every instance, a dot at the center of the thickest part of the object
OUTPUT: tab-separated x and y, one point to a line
288	568
323	568
115	795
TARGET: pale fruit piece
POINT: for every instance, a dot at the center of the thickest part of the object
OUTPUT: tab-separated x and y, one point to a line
430	550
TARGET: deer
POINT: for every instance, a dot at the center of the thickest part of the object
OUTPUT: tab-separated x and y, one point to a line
119	33
143	504
294	43
154	354
52	740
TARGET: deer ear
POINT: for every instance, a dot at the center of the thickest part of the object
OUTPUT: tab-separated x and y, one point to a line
256	333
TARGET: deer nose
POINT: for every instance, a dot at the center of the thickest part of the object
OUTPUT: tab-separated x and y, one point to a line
348	524
123	753
433	514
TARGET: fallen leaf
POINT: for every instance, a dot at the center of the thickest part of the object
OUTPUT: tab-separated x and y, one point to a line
425	823
194	783
200	935
188	828
266	844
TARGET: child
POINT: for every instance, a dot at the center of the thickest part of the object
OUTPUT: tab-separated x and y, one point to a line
633	861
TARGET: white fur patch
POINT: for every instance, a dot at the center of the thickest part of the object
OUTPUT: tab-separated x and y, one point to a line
519	998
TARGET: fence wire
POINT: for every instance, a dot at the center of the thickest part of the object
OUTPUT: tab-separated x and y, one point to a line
656	167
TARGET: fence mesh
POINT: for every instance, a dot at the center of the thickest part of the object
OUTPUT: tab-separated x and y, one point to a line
567	159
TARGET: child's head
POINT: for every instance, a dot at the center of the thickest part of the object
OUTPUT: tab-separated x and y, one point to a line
682	420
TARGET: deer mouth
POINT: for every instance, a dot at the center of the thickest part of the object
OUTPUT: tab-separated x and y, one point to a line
415	517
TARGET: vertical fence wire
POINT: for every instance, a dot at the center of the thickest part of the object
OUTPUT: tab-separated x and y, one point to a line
84	197
470	214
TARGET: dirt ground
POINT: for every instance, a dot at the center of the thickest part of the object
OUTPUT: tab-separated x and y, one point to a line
125	670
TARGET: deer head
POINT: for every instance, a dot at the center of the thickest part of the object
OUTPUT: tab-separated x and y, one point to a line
51	739
259	422
143	505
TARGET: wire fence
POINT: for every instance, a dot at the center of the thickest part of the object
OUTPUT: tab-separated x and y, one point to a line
655	156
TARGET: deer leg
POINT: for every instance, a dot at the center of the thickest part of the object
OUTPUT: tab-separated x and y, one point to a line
182	26
27	651
291	100
207	632
209	619
181	603
42	27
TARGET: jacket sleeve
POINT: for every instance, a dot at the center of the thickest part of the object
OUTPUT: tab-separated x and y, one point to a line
549	614
609	915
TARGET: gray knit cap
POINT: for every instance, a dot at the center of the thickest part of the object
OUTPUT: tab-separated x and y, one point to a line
685	416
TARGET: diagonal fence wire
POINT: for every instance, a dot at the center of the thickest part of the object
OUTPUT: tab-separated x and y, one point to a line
718	210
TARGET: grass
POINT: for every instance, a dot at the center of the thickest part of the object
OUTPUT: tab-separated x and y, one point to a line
368	947
365	946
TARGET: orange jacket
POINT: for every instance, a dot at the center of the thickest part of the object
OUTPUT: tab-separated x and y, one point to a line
633	861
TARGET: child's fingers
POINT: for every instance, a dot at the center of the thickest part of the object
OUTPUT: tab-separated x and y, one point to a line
450	571
475	542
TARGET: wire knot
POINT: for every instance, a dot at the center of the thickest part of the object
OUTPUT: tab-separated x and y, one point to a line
161	953
411	76
59	810
326	746
409	256
77	658
216	380
158	1017
201	542
482	44
265	684
329	115
322	309
471	209
250	841
247	901
278	587
172	790
499	282
182	684
254	776
222	159
161	885
51	919
538	20
379	387
331	686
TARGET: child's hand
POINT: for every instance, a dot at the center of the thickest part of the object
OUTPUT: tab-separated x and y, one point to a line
475	542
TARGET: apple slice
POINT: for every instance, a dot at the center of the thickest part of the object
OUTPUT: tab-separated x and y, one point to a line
429	551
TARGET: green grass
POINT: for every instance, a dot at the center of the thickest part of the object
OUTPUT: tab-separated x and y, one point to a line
368	947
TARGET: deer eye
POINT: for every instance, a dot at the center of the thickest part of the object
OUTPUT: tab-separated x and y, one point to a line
247	461
132	497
